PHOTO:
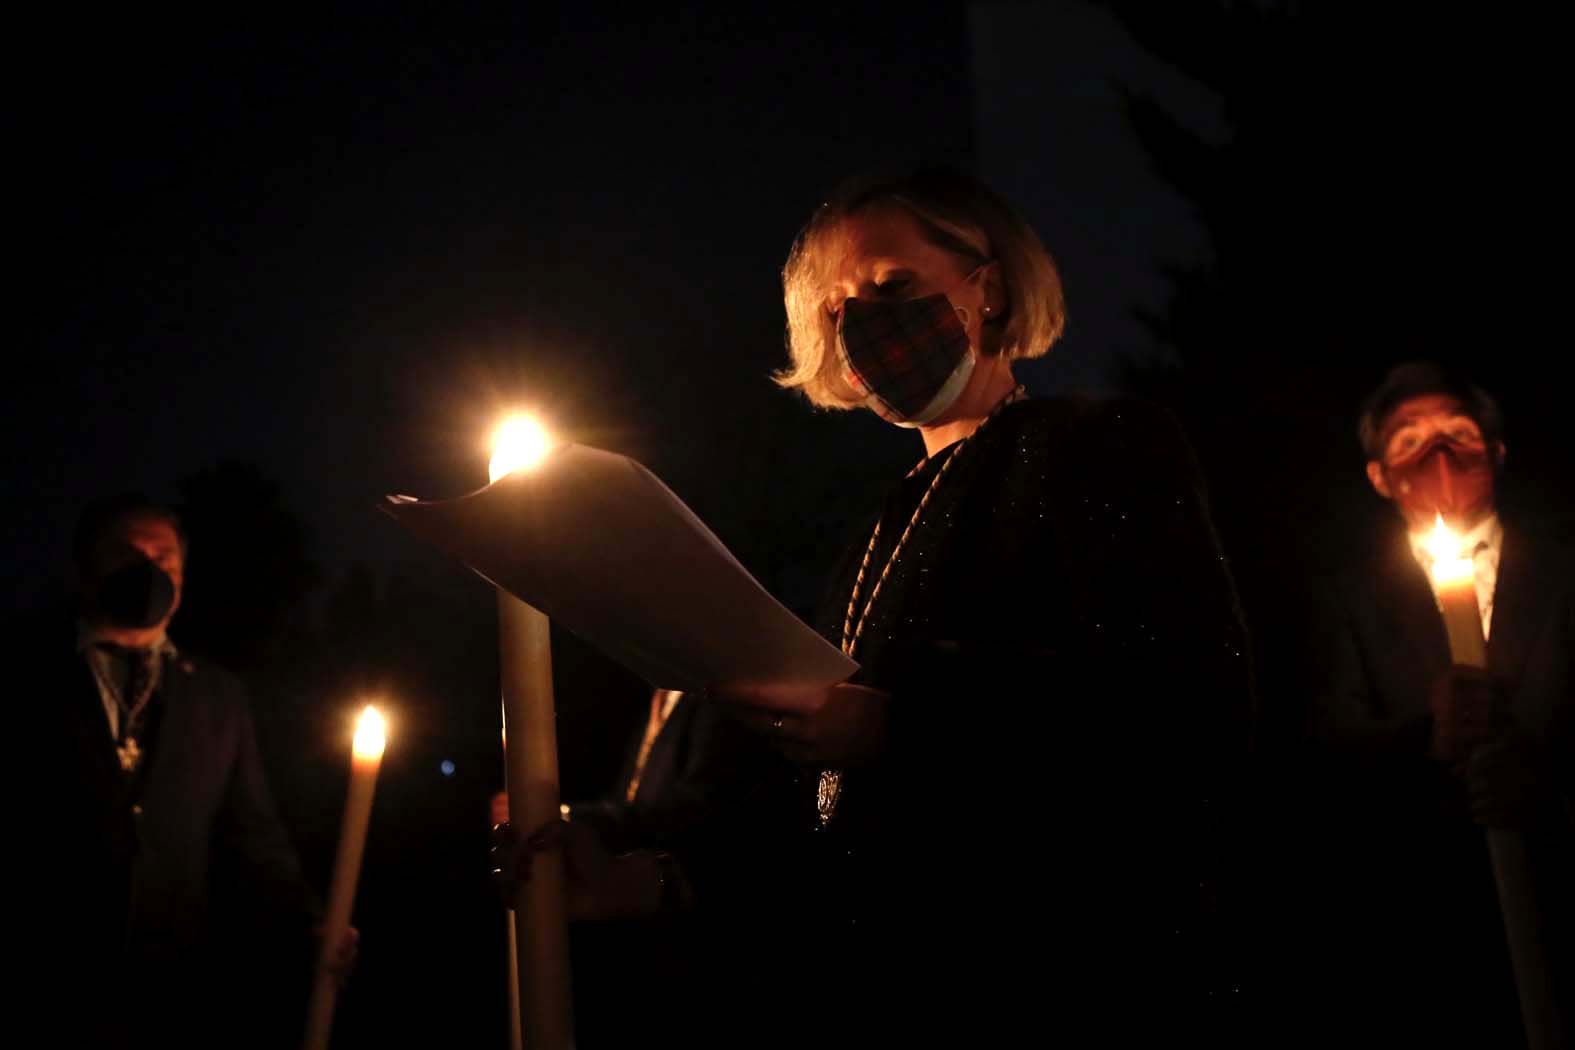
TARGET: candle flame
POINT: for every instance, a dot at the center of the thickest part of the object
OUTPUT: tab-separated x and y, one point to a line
371	732
1441	542
1449	564
519	443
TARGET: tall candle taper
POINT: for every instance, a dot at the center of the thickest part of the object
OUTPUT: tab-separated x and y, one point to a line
366	756
531	762
1454	582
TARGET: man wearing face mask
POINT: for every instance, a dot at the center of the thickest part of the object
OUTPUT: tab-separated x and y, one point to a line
1419	756
162	786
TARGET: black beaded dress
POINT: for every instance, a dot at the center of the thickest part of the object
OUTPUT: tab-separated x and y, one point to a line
1040	849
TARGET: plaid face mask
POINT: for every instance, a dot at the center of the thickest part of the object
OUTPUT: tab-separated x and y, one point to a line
910	360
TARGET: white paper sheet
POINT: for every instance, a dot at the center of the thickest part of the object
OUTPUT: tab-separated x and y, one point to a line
599	544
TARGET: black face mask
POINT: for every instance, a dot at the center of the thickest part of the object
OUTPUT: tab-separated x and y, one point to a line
137	595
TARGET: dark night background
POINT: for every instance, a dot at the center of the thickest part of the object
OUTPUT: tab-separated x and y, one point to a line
280	265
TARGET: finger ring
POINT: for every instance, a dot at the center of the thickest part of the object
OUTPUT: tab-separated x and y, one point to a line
776	724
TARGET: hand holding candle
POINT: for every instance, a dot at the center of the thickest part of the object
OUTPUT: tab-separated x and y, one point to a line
366	757
1466	712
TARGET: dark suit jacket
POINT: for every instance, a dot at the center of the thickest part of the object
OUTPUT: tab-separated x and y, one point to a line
1406	910
138	859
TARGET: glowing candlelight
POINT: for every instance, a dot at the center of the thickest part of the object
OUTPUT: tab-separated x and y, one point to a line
1449	567
366	757
1454	582
371	734
519	443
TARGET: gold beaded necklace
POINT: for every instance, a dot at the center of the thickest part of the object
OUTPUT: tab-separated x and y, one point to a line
853	625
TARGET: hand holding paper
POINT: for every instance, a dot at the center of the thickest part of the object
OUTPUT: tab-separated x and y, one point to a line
841	725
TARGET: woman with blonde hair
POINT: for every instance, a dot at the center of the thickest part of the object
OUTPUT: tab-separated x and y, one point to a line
1017	799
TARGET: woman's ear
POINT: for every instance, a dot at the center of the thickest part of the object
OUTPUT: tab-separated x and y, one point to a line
996	306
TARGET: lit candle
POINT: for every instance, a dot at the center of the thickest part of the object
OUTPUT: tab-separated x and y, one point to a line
1453	575
541	931
366	756
1454	582
519	444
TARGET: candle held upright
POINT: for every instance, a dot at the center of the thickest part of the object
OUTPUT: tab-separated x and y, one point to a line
366	757
541	937
1454	582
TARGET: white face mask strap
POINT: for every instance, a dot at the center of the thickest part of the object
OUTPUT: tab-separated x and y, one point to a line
948	394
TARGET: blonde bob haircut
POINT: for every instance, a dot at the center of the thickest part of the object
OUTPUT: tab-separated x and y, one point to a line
957	213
